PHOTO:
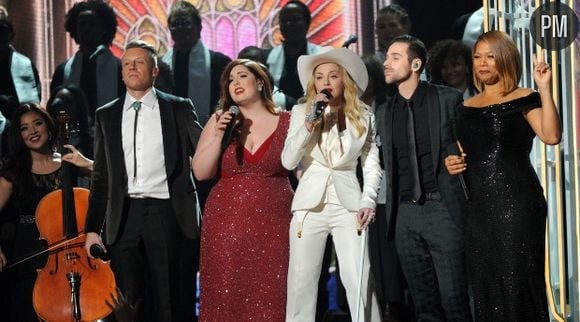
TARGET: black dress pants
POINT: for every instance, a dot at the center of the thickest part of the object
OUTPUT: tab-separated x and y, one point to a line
146	257
431	250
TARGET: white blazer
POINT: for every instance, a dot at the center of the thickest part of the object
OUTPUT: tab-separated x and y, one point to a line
301	147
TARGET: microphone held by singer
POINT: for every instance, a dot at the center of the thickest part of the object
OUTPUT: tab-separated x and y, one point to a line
318	109
98	252
235	110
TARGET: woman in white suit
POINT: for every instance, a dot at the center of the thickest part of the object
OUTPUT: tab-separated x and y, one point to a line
326	143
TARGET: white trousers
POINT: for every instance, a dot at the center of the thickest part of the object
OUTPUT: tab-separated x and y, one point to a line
305	265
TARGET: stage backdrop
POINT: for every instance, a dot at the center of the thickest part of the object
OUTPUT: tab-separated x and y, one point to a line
230	25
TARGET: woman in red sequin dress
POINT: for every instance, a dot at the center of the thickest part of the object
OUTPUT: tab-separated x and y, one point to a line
244	239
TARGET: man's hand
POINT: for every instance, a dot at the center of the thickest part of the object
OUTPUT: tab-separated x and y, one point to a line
93	238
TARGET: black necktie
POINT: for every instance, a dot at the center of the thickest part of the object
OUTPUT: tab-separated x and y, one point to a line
413	164
136	106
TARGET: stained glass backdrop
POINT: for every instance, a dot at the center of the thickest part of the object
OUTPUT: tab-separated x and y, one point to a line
230	25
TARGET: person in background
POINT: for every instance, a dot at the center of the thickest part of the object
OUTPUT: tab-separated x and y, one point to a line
28	173
196	69
259	55
449	64
244	242
327	143
92	24
196	74
72	100
19	81
376	92
424	204
294	19
143	197
164	81
506	217
392	21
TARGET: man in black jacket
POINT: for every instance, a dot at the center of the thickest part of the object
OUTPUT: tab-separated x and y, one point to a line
143	197
424	204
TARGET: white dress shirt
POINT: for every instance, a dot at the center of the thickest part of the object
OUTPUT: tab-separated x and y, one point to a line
151	178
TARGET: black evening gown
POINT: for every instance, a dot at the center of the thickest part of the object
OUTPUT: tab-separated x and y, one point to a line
506	219
26	241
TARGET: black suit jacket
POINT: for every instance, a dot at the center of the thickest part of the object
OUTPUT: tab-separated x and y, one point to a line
443	103
181	132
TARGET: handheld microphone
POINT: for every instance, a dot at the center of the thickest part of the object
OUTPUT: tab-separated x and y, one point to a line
351	40
230	127
454	150
98	252
316	113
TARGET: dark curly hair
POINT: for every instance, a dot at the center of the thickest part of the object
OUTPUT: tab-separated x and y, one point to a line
105	13
444	50
17	165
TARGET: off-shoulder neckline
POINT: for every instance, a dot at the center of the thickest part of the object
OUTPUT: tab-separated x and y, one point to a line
501	103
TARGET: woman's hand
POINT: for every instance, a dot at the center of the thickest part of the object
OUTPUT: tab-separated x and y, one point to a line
222	121
542	72
456	163
77	158
364	217
313	119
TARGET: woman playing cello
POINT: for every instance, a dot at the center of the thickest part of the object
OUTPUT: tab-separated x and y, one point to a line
29	172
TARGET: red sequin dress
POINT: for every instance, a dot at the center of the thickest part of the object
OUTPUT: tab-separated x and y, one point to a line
244	238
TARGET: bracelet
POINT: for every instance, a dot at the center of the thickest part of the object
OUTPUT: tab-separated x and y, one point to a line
312	117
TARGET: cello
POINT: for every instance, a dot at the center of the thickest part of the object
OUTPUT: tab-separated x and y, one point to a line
71	286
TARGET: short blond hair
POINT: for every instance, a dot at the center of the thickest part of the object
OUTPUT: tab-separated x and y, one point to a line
144	45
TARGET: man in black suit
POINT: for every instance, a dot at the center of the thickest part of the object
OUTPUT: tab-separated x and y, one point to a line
424	204
143	197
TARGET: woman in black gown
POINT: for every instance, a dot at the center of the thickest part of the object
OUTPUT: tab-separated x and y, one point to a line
506	219
29	172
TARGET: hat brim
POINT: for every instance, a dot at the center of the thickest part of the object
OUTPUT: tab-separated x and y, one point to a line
342	56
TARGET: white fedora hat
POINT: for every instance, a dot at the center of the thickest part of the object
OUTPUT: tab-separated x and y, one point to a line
342	56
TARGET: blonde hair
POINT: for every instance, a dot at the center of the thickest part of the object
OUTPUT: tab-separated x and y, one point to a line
353	106
507	58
